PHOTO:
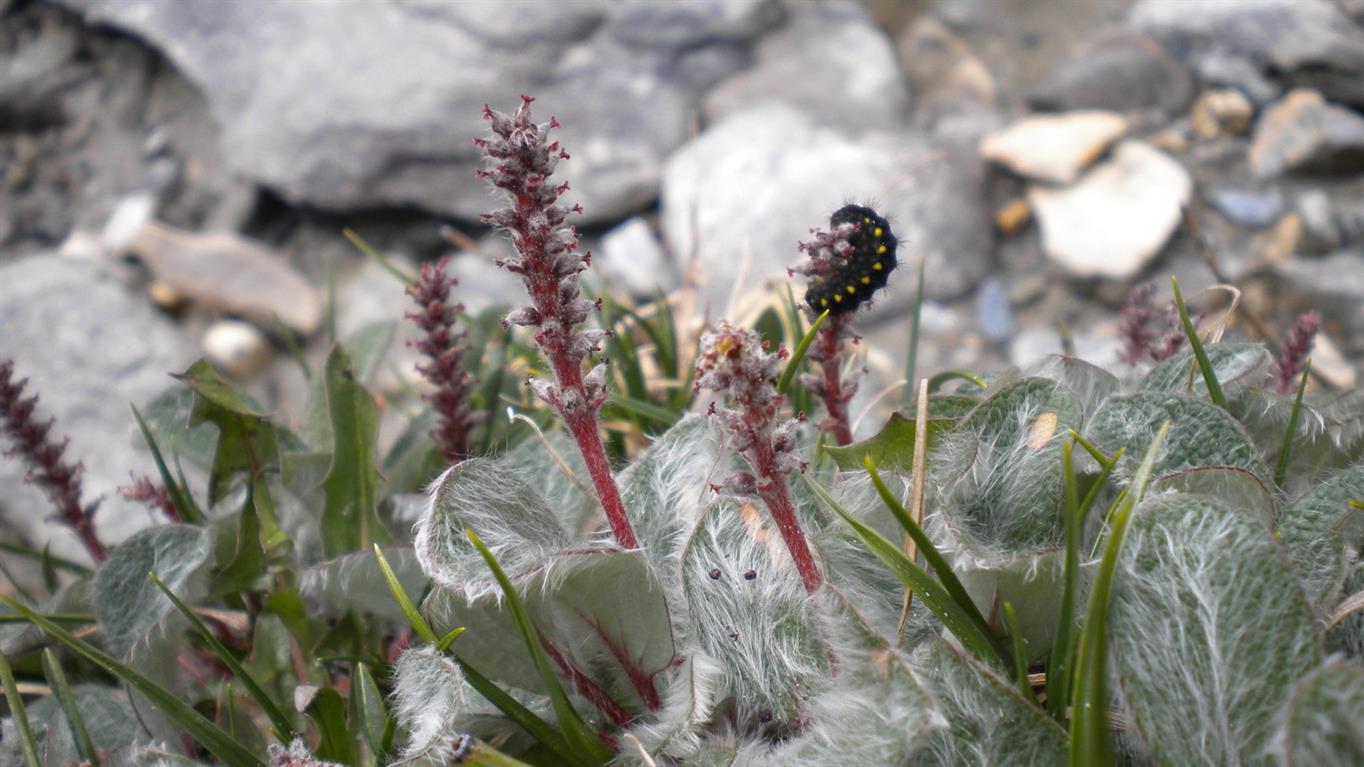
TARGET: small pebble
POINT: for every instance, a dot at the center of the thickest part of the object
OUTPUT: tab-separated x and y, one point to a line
237	348
1013	215
1248	207
1223	112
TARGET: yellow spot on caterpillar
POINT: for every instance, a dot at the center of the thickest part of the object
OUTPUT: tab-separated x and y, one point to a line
881	249
876	266
852	288
876	232
866	280
866	220
823	302
838	297
1042	429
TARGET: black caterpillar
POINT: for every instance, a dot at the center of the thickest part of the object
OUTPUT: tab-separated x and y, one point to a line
866	269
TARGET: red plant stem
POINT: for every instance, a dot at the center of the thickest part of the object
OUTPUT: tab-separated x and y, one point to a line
829	346
642	680
583	427
772	489
586	686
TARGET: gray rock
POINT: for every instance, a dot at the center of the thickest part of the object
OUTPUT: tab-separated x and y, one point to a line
363	104
745	192
1248	207
1304	134
89	348
633	255
831	61
1117	70
1307	42
994	312
1329	224
1224	70
948	80
1332	284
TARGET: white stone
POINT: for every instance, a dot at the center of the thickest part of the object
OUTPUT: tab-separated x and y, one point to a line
632	254
237	348
1116	219
1054	148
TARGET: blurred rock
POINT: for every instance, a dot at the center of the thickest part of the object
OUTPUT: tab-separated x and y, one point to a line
89	346
1330	364
830	61
1117	70
382	97
228	273
1304	134
1113	221
994	312
633	255
1254	208
751	187
237	348
1305	42
1332	284
1225	112
1054	148
945	76
1329	223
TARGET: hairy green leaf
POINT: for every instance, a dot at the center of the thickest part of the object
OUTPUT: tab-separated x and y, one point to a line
1209	630
350	518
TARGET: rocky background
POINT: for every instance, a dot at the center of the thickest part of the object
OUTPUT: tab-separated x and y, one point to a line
175	177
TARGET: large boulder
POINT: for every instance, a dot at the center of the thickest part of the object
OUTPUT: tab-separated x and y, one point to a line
359	104
741	196
89	348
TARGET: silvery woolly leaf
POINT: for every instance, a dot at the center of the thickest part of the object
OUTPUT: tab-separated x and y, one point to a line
1209	631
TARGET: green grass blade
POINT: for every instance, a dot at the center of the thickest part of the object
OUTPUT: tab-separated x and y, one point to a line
228	751
481	754
395	587
16	707
957	620
54	617
61	563
1095	452
912	357
542	731
56	679
1020	655
933	556
1062	659
1286	451
798	356
940	380
1196	343
583	742
1090	743
283	727
644	408
179	494
400	274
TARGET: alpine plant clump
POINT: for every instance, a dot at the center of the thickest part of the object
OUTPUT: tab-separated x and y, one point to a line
1157	569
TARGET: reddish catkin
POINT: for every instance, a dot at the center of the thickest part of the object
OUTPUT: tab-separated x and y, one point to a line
444	348
47	467
1294	350
520	158
733	363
